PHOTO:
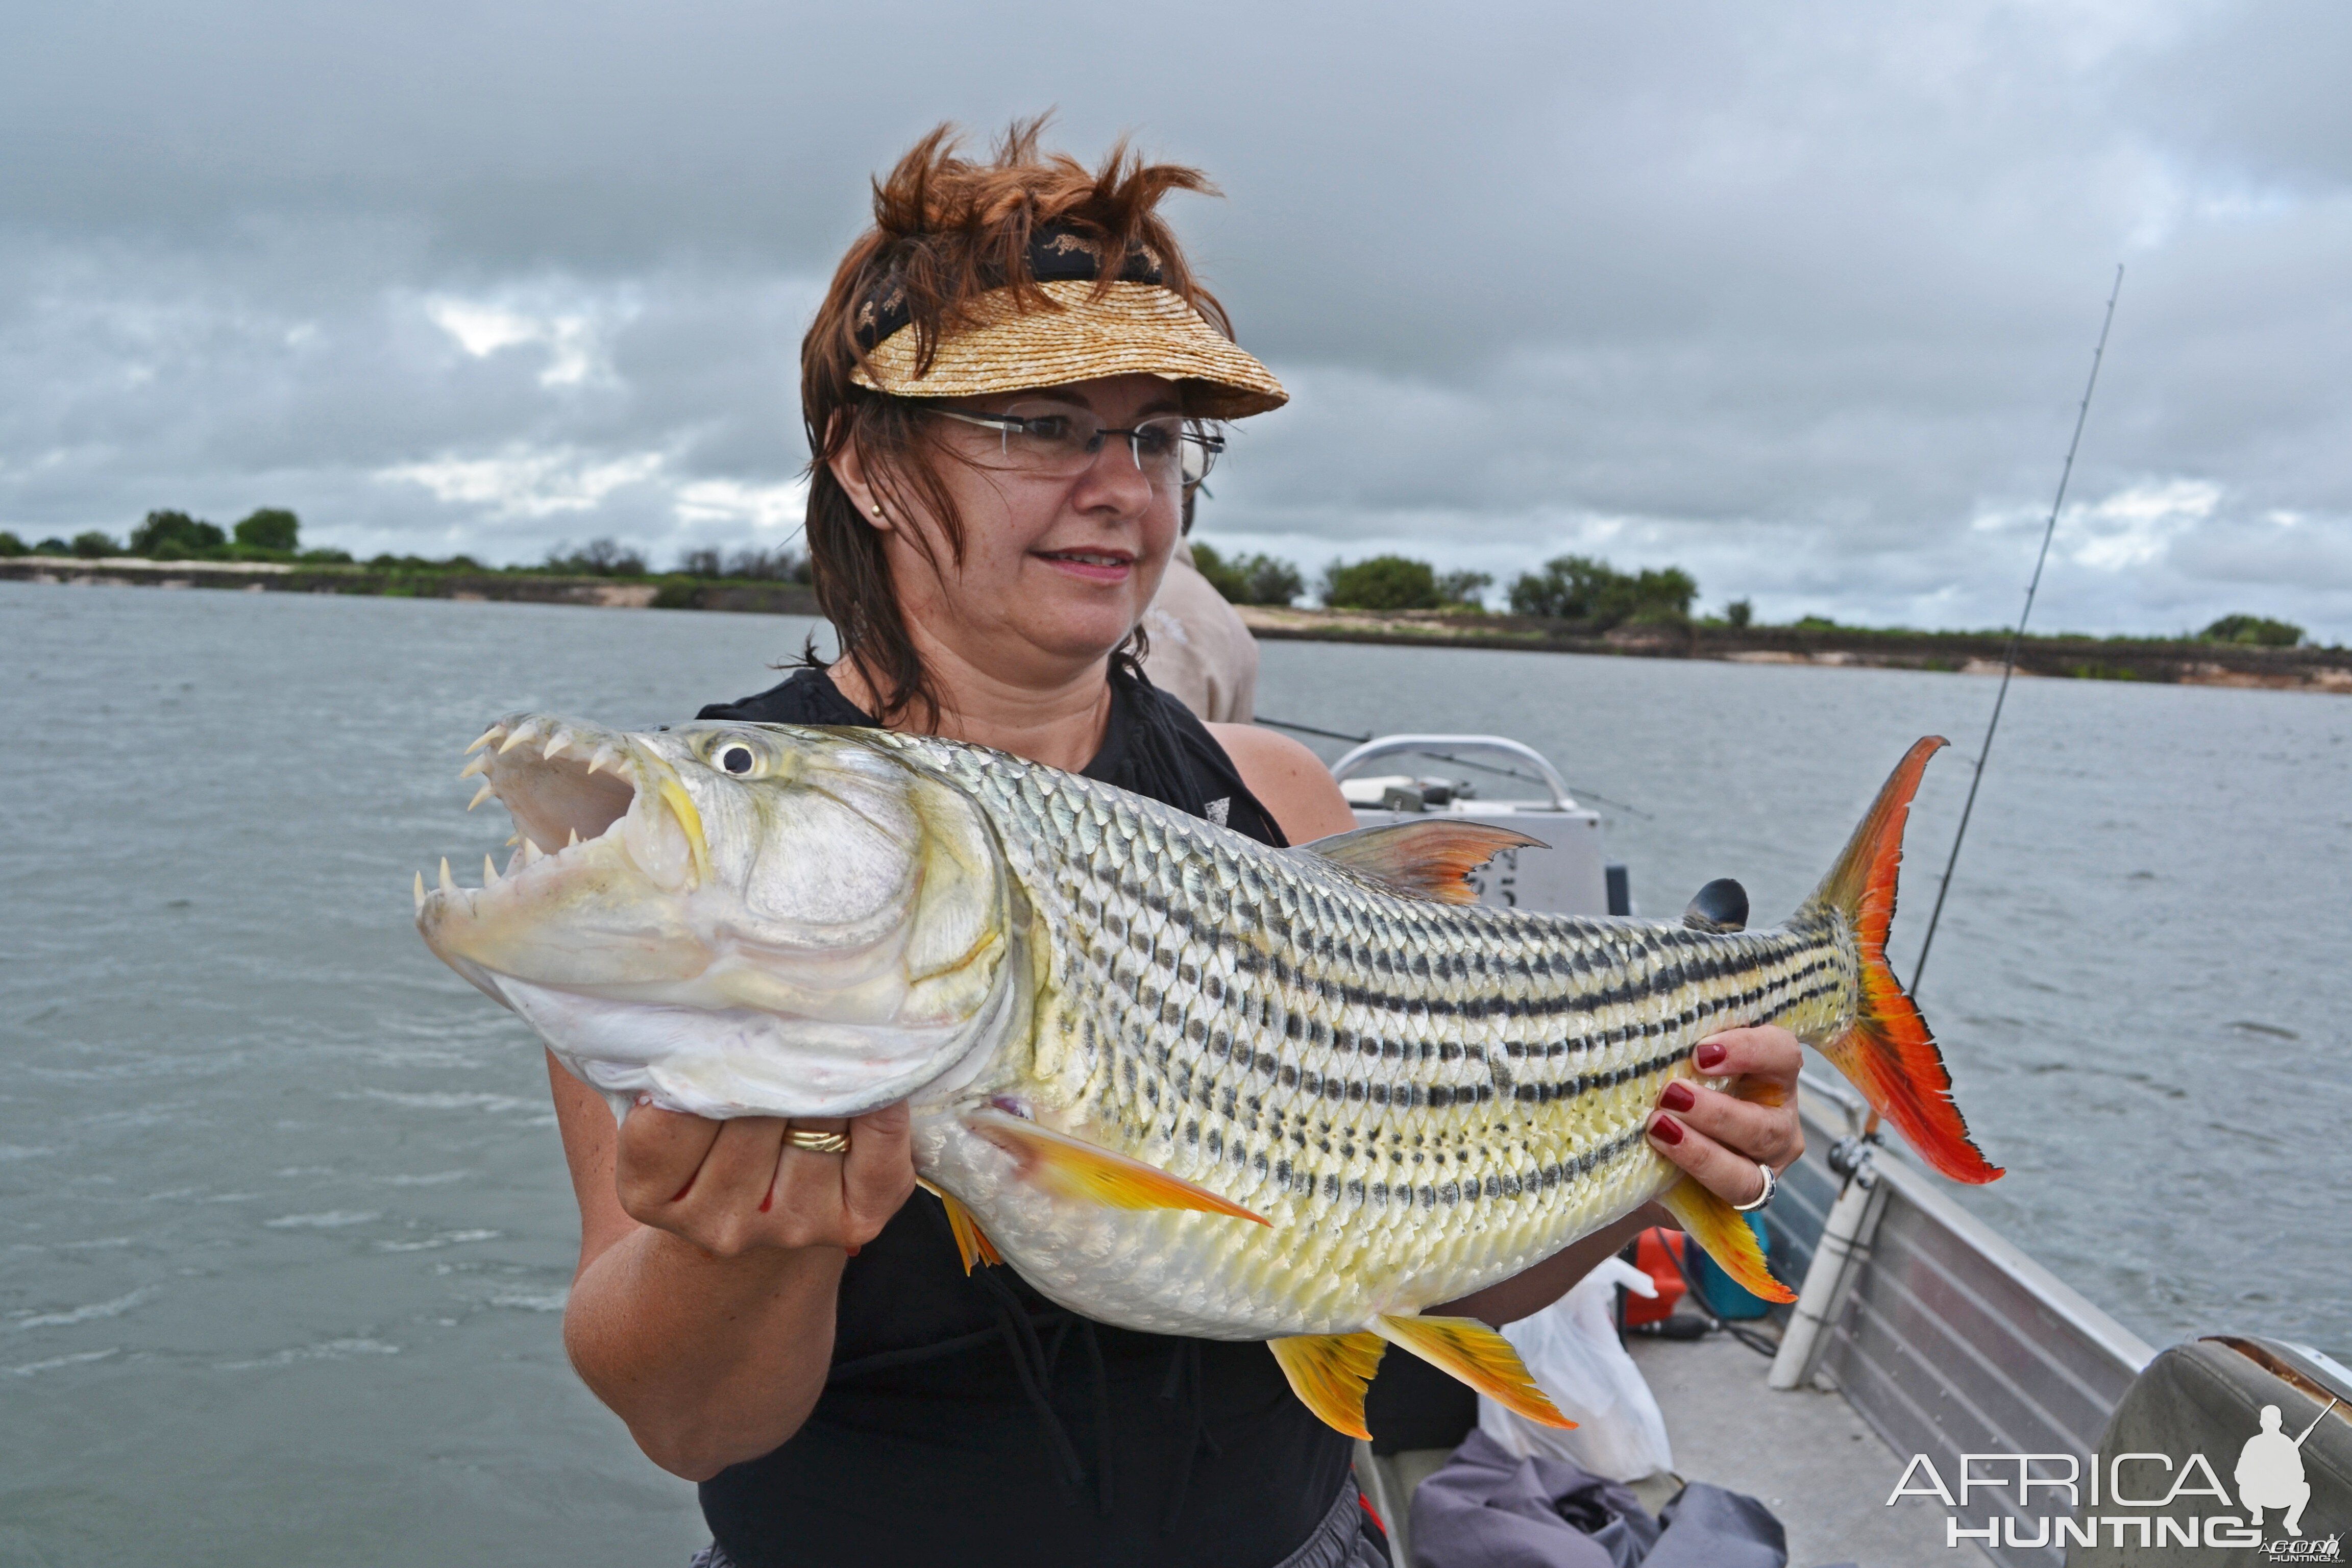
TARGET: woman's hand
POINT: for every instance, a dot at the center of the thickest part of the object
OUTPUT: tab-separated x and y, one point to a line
733	1188
1720	1136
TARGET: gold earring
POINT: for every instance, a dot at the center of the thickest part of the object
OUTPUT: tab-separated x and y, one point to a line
878	509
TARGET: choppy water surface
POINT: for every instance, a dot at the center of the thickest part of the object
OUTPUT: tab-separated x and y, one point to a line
284	1230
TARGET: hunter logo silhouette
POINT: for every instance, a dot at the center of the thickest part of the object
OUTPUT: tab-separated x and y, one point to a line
2270	1471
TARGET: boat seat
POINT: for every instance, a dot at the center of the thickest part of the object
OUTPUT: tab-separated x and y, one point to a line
2207	1397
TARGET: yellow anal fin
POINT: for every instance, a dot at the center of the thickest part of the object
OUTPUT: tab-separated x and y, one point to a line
1722	1231
971	1242
1469	1350
1329	1374
1429	859
1073	1168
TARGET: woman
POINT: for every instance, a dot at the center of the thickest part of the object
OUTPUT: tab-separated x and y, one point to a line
1008	388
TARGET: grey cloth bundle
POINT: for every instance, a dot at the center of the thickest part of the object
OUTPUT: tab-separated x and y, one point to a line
1489	1508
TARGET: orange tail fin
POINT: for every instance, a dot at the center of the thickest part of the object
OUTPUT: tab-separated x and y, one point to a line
1888	1054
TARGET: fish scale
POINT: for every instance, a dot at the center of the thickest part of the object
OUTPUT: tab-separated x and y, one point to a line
1181	1081
1475	1099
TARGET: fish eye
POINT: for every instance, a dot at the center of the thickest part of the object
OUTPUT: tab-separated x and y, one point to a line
736	759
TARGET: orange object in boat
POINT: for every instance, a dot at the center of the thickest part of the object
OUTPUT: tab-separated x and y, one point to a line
1655	1252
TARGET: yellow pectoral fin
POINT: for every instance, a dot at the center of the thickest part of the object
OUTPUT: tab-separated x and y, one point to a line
971	1242
1329	1374
1723	1232
1073	1168
1469	1350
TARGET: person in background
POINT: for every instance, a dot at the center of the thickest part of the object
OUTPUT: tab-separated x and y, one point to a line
1196	647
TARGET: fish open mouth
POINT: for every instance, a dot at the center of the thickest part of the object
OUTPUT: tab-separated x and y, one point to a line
576	791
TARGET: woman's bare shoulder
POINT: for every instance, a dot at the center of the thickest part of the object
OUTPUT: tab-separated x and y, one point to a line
1288	780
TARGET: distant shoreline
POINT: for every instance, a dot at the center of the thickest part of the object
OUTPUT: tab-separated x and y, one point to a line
2170	661
2155	660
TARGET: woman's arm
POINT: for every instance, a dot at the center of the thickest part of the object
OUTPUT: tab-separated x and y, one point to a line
711	1257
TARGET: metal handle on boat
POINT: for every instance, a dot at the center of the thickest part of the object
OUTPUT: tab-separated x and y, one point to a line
1390	745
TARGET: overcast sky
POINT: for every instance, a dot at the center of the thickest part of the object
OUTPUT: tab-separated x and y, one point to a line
1800	297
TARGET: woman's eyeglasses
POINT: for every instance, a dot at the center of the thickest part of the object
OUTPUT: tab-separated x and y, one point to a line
1060	441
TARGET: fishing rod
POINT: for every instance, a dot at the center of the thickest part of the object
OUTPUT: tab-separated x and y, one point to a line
2009	662
1451	757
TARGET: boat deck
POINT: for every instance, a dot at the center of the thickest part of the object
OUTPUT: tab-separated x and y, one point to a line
1805	1454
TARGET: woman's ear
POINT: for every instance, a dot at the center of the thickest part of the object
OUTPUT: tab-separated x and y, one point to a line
849	466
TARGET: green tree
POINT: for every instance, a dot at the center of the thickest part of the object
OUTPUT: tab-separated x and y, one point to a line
270	528
1272	580
2257	629
93	544
175	536
597	558
1587	589
1381	582
1224	576
1740	612
1249	579
781	564
11	546
1467	588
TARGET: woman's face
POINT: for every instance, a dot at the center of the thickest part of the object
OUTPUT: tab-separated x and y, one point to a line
1057	566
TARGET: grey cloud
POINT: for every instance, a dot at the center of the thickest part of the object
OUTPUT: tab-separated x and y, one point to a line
1800	296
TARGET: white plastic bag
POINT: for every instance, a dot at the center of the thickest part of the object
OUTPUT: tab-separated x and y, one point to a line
1572	1348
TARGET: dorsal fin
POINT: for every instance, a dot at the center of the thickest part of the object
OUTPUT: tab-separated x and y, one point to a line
1422	859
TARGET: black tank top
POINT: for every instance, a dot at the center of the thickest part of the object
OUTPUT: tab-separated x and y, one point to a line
967	1420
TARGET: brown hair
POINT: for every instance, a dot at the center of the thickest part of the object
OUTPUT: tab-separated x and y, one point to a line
946	231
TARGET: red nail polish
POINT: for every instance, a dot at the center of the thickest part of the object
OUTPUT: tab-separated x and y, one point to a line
767	1200
1679	1097
680	1195
851	1249
1666	1129
1710	1057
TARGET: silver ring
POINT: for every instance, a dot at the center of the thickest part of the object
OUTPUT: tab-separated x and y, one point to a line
817	1143
1771	1185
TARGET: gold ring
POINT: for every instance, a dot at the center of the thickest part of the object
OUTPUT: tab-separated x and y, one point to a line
817	1143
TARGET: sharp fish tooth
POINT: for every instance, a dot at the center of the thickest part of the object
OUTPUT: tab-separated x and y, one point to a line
573	840
527	729
605	757
449	883
531	853
480	795
490	874
481	764
420	892
492	733
558	745
513	840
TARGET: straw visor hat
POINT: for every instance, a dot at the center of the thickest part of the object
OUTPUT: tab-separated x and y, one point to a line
1135	324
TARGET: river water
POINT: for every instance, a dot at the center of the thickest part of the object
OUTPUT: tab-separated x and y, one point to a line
284	1230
